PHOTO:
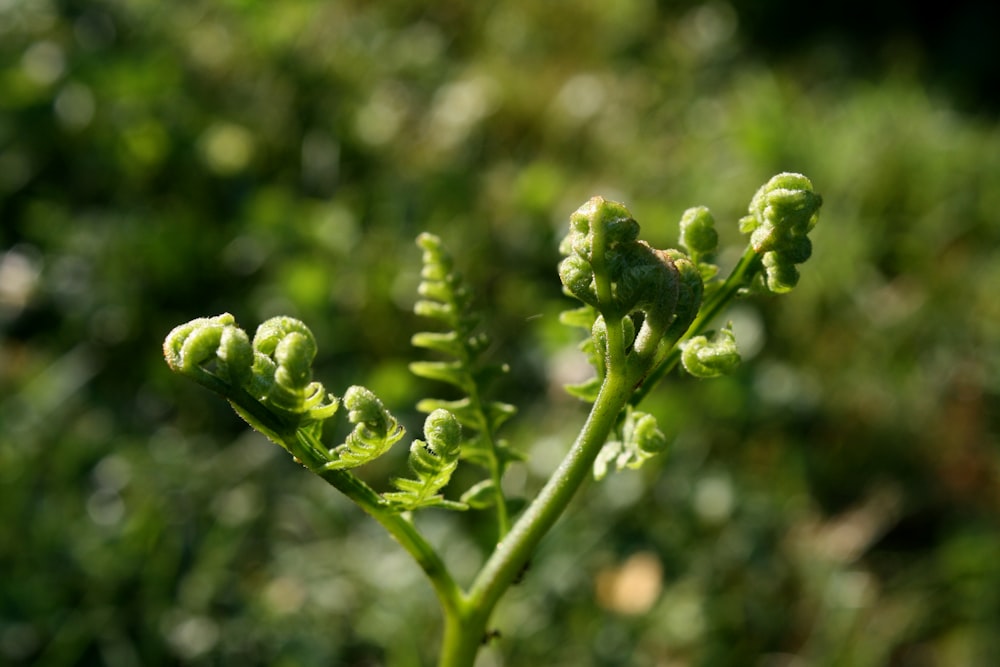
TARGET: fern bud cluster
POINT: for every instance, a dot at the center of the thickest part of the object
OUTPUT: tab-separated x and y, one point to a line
609	269
210	348
698	235
275	369
269	383
603	233
782	213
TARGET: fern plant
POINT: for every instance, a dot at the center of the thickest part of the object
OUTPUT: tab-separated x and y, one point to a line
645	312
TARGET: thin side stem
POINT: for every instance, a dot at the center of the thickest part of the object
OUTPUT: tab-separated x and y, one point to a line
449	593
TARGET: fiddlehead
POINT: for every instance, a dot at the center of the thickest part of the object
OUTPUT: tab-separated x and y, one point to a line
782	212
375	431
284	349
213	351
698	236
432	463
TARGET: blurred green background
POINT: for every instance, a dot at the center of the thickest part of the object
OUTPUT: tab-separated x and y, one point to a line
835	502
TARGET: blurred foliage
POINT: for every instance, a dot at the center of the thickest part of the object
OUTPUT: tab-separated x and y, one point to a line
836	502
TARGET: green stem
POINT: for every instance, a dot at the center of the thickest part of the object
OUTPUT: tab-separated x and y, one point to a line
464	632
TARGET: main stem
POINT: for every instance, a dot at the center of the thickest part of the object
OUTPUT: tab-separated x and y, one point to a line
465	626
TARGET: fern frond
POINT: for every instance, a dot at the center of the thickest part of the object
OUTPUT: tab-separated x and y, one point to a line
375	431
446	299
432	463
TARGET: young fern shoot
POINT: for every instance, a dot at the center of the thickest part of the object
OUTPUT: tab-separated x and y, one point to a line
645	311
432	464
375	431
446	298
